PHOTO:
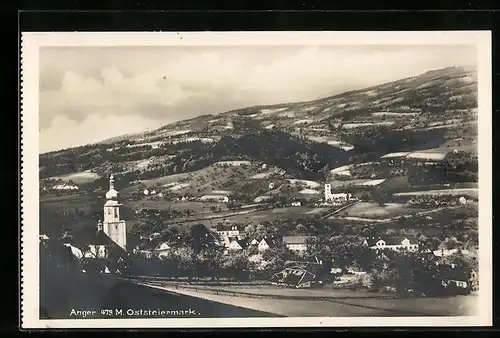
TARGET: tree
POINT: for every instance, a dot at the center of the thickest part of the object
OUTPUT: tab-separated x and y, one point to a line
237	265
184	258
66	237
380	197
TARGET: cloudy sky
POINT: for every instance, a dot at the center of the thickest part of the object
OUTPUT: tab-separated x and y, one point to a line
89	94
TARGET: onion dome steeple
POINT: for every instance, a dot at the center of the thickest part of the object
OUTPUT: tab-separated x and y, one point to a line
112	194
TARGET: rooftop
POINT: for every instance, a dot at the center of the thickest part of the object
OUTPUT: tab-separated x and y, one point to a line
296	239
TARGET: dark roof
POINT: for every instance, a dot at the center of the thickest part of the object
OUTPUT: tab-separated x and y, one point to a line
243	242
229	227
296	239
89	236
293	276
269	242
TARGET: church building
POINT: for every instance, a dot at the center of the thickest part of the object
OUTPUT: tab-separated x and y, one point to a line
112	225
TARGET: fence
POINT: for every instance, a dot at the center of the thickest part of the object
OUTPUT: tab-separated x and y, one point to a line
241	294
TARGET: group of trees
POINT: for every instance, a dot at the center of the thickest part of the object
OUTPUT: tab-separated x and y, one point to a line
383	140
297	156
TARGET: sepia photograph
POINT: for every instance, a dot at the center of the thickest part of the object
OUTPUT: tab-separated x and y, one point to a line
256	179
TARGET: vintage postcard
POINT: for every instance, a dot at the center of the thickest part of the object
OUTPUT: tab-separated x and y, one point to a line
256	179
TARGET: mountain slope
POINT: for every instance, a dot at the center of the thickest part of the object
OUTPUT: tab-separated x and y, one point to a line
435	109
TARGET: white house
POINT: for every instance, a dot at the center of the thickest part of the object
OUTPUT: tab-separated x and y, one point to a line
450	252
74	250
263	245
228	231
254	242
271	186
395	244
96	251
235	245
296	243
43	237
163	249
296	204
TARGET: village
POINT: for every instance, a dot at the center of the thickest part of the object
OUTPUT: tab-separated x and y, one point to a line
288	255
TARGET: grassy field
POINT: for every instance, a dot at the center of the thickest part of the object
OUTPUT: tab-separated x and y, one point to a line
205	180
373	210
73	213
266	215
176	205
68	203
470	192
79	178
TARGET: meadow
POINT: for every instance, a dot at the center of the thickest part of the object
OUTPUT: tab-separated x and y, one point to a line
373	210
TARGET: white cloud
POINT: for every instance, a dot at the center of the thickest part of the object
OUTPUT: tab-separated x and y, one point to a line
95	128
140	88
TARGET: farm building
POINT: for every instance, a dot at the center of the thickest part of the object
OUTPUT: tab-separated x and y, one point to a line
392	243
214	198
458	278
296	243
233	163
229	230
450	252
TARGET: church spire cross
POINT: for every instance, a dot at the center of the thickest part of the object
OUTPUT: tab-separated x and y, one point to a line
112	194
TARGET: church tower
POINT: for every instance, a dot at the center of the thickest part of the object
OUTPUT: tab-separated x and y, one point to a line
112	225
328	192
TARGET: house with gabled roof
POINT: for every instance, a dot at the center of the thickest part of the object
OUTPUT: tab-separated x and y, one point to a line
229	230
98	244
238	245
263	245
162	249
462	279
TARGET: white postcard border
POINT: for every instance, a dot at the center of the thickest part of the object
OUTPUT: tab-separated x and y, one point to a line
31	42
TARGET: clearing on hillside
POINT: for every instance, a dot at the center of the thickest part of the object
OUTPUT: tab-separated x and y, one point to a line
78	178
373	210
